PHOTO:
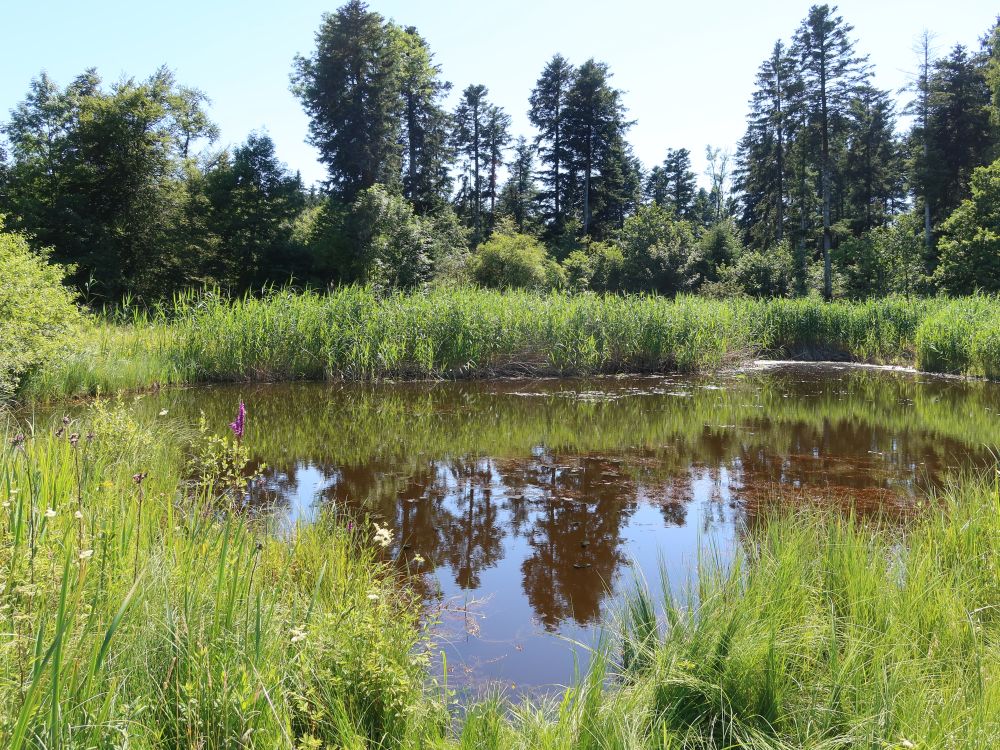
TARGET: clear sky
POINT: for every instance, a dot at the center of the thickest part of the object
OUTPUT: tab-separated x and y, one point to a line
687	67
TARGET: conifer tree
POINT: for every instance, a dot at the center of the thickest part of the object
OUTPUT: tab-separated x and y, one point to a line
548	114
831	71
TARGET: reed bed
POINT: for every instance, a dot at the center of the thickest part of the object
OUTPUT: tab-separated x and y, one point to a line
355	334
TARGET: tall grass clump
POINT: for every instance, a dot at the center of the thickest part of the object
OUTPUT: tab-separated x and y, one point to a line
353	333
140	610
824	632
962	337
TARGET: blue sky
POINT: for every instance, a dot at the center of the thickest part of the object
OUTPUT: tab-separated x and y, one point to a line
687	67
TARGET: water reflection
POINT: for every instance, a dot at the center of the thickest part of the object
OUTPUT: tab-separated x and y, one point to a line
541	499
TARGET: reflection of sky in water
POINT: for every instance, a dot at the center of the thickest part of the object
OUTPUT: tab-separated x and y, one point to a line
536	503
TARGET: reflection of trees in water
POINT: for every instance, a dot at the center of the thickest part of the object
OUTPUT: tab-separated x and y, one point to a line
575	510
571	508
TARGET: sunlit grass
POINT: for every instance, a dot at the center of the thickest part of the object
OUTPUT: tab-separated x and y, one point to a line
354	334
160	618
137	611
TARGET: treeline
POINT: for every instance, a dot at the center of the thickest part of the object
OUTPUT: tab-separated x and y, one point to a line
824	193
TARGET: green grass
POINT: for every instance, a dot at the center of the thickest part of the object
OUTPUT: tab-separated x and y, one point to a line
354	334
157	618
824	633
191	626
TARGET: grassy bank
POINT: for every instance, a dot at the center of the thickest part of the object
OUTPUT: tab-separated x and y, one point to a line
145	611
354	334
138	611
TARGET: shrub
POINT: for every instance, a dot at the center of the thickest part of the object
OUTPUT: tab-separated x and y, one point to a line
380	241
884	261
716	249
510	260
37	313
579	270
760	273
655	249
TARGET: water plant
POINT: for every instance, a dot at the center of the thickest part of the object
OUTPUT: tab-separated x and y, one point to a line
353	333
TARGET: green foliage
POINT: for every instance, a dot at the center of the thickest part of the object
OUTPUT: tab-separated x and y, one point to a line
578	268
608	267
390	247
970	239
655	247
223	463
509	260
887	260
96	176
716	248
254	201
38	315
760	273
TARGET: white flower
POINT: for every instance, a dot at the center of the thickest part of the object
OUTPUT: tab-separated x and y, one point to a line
50	513
383	536
298	634
373	597
418	559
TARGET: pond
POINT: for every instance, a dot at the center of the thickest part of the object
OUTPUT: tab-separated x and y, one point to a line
521	508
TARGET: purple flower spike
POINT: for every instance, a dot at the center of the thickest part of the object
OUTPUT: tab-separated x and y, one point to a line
240	422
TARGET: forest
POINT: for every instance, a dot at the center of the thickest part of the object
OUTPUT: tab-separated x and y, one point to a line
837	188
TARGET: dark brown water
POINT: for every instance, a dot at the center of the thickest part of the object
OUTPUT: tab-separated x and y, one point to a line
522	508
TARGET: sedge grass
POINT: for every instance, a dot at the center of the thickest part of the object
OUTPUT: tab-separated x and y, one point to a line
354	334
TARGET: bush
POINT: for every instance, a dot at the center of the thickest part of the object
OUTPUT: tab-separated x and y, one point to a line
609	267
884	261
715	250
578	269
655	248
969	248
760	273
380	241
510	260
37	313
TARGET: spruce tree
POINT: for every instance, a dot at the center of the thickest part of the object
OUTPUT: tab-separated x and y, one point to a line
548	113
428	153
830	71
594	130
350	88
761	170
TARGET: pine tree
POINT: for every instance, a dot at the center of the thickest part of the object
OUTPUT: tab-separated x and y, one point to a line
594	130
428	151
350	88
761	171
548	113
519	196
960	129
469	138
673	184
872	171
919	138
496	138
830	72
